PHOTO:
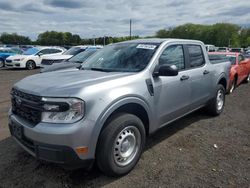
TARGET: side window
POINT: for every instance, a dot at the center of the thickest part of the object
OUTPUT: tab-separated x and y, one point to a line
52	51
45	51
173	55
240	58
195	56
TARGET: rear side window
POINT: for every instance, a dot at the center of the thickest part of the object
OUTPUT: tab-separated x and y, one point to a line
196	57
173	55
52	51
45	51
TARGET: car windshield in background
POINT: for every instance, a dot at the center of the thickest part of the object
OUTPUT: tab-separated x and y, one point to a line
73	51
222	49
30	51
235	50
81	57
217	58
122	57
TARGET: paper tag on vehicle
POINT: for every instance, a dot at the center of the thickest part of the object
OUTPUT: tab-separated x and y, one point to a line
146	46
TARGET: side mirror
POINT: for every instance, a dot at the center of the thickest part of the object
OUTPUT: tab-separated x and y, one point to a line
79	67
39	54
166	70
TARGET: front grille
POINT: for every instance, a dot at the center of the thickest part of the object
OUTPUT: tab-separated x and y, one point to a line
26	106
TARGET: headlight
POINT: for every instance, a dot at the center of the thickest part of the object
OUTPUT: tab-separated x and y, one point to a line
62	110
18	59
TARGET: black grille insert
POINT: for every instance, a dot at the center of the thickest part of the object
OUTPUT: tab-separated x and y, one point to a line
26	106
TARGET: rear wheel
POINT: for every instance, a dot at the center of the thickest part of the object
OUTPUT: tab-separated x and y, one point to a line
120	144
1	63
216	105
30	65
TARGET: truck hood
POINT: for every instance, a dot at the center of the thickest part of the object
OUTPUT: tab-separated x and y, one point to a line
60	66
66	83
57	57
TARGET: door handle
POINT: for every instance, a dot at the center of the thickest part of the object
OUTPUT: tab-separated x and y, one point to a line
184	77
206	72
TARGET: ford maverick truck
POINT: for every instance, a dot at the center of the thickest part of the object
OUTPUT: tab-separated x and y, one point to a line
104	111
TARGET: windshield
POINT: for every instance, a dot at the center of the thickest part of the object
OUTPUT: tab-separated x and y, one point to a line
222	49
216	58
81	57
30	51
122	57
235	50
74	50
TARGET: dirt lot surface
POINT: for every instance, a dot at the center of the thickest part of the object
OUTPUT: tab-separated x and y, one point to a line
196	151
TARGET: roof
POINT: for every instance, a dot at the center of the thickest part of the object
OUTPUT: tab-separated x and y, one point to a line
160	40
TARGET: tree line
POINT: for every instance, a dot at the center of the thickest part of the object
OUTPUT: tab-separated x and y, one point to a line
220	34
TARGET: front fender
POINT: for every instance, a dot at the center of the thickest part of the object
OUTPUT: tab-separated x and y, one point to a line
111	108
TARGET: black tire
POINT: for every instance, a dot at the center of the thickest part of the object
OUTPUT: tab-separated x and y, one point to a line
213	107
2	63
108	143
30	65
233	86
248	78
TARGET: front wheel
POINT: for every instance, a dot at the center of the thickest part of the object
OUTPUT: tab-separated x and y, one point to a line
232	86
248	78
1	63
120	144
30	65
216	105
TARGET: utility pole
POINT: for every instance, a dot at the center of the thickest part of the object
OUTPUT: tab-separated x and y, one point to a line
130	28
229	43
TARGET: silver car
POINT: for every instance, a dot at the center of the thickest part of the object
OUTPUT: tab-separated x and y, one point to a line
105	111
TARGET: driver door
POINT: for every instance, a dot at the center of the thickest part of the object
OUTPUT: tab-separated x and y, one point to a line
243	69
172	93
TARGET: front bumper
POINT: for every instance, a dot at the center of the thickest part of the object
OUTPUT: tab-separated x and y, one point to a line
58	151
13	64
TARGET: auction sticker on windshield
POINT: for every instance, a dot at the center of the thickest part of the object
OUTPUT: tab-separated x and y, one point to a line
146	46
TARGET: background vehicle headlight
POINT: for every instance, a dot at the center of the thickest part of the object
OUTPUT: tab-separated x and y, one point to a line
62	110
18	59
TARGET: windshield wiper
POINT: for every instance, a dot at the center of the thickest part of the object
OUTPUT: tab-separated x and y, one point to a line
75	61
100	69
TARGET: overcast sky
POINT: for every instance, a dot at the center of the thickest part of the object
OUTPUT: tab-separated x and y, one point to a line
90	18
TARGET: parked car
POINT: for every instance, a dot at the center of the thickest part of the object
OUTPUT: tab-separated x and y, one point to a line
239	50
123	93
210	48
223	49
72	63
6	52
32	57
240	67
66	55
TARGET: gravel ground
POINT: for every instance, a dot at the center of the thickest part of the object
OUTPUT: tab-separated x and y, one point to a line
196	151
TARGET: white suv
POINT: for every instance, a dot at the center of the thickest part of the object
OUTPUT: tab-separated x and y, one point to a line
32	57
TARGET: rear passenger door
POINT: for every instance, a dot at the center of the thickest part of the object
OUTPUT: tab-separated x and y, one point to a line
200	76
172	93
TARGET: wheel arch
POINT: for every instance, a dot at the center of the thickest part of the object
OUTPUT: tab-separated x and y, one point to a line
133	105
223	81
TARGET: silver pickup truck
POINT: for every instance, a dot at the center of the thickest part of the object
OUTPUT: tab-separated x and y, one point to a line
104	111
